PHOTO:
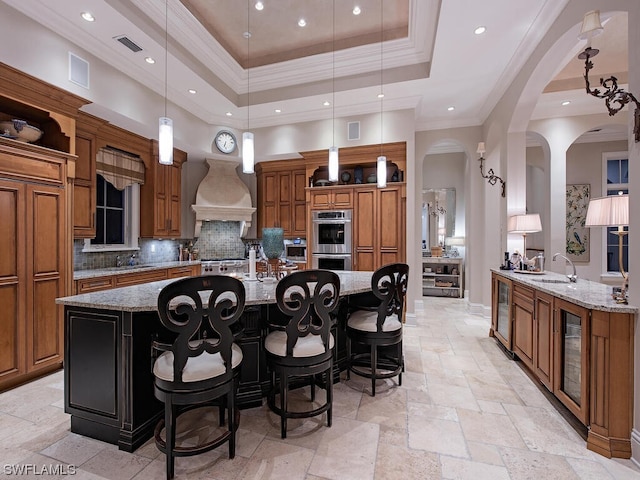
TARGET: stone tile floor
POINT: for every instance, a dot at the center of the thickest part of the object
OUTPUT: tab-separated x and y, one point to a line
464	411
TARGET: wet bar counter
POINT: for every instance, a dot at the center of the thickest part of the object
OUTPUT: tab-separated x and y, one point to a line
107	360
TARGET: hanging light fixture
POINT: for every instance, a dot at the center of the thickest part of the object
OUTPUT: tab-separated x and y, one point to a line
248	155
165	124
333	150
381	170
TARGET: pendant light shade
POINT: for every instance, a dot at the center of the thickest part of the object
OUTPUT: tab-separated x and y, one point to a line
165	141
381	172
333	164
247	153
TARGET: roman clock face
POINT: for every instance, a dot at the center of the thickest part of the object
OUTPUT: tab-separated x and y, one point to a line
225	141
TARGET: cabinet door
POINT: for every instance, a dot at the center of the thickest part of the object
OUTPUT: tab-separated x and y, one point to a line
84	188
543	338
284	210
523	324
389	226
571	365
299	220
501	320
364	231
320	199
342	198
173	201
161	182
268	199
45	242
12	280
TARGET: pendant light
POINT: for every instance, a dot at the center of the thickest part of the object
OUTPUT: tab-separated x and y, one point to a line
381	170
165	124
333	150
248	155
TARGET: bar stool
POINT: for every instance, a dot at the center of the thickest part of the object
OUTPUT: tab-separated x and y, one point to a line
303	347
202	364
379	324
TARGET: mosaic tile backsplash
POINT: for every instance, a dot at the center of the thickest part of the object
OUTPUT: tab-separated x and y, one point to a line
217	240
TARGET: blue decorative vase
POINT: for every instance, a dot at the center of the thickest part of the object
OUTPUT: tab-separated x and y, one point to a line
272	242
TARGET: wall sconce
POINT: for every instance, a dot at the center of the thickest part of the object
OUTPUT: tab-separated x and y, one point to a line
436	210
612	211
614	97
491	177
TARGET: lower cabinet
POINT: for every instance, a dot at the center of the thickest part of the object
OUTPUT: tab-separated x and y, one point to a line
583	356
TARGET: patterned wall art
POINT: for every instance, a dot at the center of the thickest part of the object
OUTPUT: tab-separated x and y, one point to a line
577	234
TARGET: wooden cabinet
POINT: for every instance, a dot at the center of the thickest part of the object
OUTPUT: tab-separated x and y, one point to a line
122	279
33	267
377	227
443	277
584	356
160	196
322	198
523	323
281	197
84	187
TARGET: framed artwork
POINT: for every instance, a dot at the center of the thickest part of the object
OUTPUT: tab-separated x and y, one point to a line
577	234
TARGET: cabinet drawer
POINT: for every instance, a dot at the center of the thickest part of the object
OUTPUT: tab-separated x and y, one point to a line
523	296
94	284
142	277
182	272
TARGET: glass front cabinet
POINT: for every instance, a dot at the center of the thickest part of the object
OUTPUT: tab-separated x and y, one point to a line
501	321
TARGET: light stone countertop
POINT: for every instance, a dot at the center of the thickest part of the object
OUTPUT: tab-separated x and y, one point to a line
147	267
591	295
144	297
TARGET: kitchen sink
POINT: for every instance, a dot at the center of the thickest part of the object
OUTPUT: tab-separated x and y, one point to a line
549	280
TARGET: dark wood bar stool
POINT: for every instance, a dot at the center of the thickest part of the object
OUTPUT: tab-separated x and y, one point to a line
202	363
303	347
378	324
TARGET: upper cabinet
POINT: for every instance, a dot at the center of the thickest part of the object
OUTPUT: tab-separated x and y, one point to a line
160	196
281	196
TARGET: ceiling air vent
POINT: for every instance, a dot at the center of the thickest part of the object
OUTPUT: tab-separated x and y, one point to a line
127	42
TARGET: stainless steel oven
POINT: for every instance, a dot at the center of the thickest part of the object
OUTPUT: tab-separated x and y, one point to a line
331	231
331	261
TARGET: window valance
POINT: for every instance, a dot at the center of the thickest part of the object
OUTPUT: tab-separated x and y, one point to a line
119	168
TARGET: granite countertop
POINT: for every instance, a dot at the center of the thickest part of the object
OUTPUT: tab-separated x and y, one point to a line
106	272
144	297
588	294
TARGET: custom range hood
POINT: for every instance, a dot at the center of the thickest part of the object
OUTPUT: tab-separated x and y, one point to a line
223	196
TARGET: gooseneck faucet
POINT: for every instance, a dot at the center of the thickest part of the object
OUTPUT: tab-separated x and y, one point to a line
574	277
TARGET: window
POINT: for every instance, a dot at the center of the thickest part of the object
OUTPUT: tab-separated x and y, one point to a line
616	165
117	218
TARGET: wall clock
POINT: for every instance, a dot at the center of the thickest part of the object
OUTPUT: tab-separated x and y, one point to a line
225	141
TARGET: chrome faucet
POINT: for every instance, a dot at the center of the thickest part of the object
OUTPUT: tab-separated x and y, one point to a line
574	277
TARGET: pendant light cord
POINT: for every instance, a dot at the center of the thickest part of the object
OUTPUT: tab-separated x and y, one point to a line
333	76
381	82
248	64
166	55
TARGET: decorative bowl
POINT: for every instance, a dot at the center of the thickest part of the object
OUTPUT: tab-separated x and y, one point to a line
19	129
372	178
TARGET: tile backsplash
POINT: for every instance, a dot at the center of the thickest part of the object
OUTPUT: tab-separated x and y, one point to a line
217	240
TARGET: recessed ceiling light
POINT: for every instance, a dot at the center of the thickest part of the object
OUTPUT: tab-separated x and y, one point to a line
246	34
326	103
228	114
277	110
192	91
565	103
302	22
451	109
480	30
149	60
259	6
356	10
88	17
381	95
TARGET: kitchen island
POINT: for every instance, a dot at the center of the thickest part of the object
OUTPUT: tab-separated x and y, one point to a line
578	342
108	365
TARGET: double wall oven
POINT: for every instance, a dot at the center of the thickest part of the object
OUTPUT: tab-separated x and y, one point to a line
331	239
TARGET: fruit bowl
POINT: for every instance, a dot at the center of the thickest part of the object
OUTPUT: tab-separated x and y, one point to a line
20	130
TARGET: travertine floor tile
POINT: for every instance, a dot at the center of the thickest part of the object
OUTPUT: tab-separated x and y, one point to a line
461	469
